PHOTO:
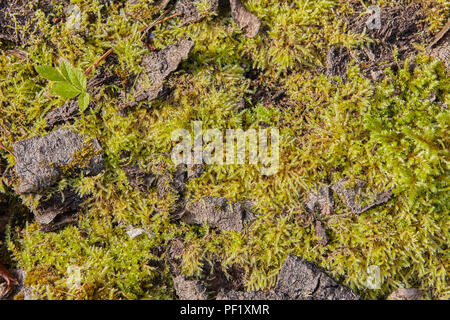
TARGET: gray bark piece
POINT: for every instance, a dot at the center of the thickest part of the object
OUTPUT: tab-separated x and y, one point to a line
218	213
176	182
298	280
440	48
60	209
189	289
189	12
320	233
350	196
406	294
321	200
301	279
245	20
40	160
138	178
157	67
66	112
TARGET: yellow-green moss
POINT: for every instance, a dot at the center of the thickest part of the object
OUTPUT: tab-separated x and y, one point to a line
328	134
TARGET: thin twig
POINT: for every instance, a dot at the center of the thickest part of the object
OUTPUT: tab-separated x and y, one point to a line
157	19
144	31
440	35
7	150
97	62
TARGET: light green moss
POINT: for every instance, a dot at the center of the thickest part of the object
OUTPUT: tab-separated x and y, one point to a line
328	134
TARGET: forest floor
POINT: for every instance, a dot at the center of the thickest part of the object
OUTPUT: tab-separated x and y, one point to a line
93	207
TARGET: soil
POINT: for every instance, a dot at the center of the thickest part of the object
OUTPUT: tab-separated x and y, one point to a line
401	27
176	183
338	59
19	12
250	295
321	201
218	279
244	19
267	95
138	178
20	290
12	12
4	217
163	4
98	83
13	214
212	280
320	233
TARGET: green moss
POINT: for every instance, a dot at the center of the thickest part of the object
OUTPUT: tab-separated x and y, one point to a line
330	132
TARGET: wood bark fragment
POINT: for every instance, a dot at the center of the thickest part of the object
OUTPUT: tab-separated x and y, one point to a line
244	19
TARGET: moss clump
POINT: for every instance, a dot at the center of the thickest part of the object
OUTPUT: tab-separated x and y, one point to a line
81	158
391	134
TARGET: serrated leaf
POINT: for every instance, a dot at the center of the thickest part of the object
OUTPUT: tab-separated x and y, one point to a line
83	101
64	68
65	90
49	73
77	79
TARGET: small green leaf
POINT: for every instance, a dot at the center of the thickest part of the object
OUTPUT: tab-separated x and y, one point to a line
77	78
49	73
65	90
83	101
64	67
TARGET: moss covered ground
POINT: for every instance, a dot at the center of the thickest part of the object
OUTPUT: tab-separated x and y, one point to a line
389	133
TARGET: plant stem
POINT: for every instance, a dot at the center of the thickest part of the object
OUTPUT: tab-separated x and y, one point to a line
97	62
144	30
